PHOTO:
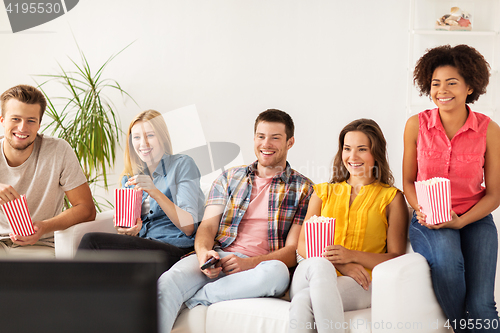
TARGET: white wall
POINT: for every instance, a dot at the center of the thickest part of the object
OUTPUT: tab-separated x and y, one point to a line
324	62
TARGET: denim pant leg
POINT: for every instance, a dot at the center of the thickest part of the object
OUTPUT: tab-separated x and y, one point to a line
175	286
269	278
179	284
479	248
443	251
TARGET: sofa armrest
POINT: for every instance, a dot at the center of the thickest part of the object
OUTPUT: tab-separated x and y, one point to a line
403	297
67	241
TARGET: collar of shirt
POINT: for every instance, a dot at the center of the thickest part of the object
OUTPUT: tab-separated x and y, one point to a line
470	123
161	169
284	175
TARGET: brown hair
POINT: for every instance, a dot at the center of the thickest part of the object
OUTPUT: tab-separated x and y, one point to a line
470	64
132	161
277	116
25	94
378	149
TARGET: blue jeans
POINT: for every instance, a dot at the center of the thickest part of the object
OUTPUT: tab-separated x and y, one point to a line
463	265
185	282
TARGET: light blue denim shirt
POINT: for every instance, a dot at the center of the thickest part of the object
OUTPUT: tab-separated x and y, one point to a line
178	177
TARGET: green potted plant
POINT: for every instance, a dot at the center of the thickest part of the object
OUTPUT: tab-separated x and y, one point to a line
86	118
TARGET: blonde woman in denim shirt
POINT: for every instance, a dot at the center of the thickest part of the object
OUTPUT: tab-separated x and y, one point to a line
172	202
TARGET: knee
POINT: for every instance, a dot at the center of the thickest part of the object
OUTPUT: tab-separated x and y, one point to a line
317	266
165	280
88	241
170	280
320	263
275	274
443	255
273	268
170	286
447	266
440	247
165	286
314	262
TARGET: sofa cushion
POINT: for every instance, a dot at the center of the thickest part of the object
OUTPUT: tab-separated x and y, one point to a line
267	315
263	315
358	321
191	321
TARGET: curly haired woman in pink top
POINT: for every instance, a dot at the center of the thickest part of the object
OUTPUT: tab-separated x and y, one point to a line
453	142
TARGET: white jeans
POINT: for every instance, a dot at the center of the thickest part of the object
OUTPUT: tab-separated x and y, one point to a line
185	282
319	298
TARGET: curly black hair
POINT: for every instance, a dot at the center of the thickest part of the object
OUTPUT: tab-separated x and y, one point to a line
470	64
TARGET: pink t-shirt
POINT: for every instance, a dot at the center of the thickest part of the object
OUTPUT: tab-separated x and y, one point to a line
252	239
461	160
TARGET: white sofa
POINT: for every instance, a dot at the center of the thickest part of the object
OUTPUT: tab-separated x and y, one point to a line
402	298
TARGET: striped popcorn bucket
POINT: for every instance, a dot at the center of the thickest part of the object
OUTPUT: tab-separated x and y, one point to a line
18	216
127	207
319	233
434	196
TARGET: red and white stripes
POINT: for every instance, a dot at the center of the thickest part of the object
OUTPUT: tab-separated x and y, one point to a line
18	216
434	196
127	207
319	233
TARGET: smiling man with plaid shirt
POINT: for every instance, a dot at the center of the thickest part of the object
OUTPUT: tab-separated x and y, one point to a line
251	226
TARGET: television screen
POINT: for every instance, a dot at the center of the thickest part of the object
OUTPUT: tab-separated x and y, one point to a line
102	291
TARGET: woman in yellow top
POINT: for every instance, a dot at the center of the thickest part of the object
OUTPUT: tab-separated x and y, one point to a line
371	227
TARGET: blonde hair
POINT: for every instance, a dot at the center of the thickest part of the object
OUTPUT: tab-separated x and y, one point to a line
132	161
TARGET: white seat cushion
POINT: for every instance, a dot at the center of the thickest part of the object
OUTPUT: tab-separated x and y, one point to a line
191	321
267	315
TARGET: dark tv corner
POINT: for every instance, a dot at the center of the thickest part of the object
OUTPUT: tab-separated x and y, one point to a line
105	291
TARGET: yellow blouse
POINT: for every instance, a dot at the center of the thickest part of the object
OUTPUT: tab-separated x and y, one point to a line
352	229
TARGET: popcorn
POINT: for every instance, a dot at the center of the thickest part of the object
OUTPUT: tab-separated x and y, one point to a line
18	216
128	204
320	233
434	196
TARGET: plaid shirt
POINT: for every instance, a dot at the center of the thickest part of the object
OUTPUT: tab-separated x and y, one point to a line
289	195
